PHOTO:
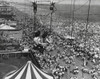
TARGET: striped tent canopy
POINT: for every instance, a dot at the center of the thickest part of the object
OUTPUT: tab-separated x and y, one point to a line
28	71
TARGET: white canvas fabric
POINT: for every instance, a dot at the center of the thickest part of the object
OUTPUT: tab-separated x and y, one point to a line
29	71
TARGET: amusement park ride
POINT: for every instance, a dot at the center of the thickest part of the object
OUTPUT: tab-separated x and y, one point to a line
6	11
7	17
7	14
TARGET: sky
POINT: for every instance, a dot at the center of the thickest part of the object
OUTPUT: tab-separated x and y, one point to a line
93	2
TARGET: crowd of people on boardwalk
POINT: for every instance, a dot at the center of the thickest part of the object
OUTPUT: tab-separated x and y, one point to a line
45	43
50	62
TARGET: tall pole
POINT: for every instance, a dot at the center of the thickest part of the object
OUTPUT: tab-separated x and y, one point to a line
35	11
34	21
70	16
52	8
86	29
72	29
68	72
51	22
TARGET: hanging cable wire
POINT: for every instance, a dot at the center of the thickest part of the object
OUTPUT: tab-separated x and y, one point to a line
81	6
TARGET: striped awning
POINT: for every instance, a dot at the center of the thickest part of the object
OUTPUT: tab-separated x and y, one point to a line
28	71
